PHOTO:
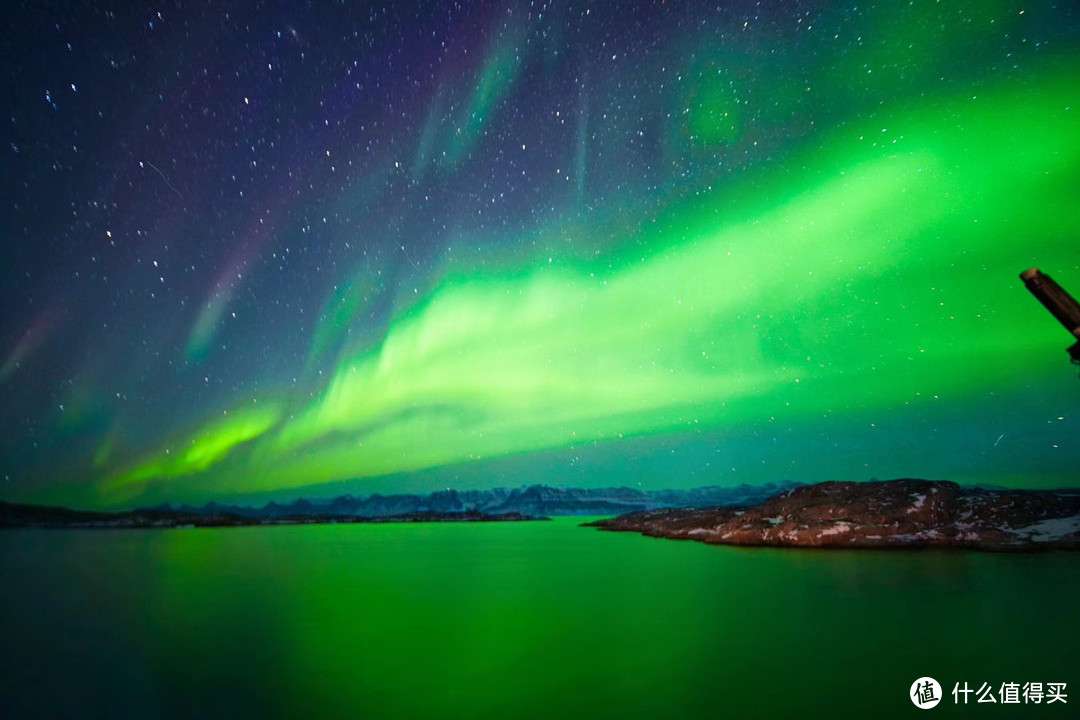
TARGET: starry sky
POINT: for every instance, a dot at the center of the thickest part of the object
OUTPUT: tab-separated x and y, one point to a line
257	250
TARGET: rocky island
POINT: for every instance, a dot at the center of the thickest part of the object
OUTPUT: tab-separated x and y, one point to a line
904	513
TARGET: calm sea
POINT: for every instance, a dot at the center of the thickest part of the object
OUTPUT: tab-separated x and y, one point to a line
514	620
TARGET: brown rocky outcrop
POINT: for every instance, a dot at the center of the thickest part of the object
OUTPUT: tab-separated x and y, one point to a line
903	513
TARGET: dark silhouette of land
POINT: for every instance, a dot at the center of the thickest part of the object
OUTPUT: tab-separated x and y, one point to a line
494	504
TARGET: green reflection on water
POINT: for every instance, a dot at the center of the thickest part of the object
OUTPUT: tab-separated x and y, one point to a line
513	620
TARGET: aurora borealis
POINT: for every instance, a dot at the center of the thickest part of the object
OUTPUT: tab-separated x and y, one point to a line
255	249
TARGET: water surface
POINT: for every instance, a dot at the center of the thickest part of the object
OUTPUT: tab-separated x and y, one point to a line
512	620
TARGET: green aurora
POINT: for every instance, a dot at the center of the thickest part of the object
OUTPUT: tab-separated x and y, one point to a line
873	273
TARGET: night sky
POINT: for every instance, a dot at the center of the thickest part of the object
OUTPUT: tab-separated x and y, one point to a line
257	250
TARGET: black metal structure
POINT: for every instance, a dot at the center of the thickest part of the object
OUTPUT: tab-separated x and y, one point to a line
1060	303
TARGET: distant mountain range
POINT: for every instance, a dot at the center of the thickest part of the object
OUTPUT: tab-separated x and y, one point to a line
532	502
14	515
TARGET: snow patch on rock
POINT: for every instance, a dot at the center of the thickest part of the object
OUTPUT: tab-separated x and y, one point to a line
1052	529
920	500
